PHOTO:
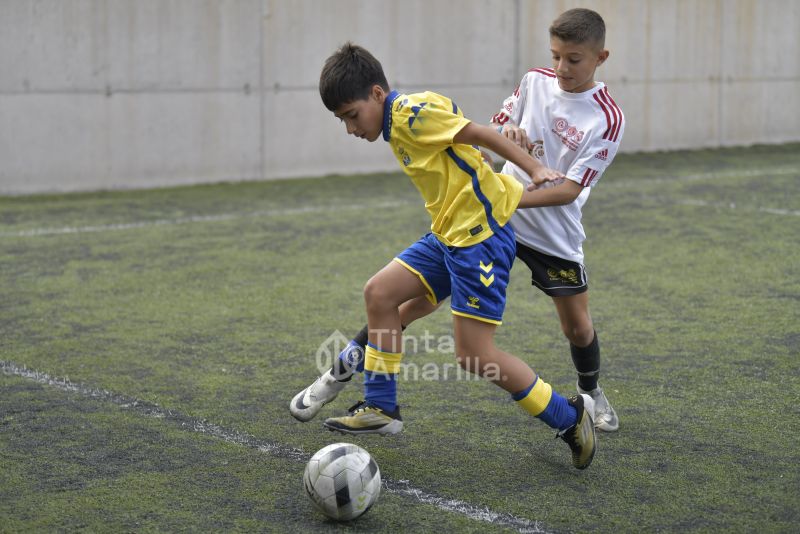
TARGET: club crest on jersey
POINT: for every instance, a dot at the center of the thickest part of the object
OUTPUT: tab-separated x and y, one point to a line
570	135
538	149
405	157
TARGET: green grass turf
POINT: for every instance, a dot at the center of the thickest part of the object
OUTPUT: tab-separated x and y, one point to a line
213	300
70	463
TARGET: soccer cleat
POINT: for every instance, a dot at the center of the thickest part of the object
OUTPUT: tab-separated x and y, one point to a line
364	419
605	418
307	404
581	436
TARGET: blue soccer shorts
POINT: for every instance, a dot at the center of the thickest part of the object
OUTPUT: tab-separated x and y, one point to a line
474	277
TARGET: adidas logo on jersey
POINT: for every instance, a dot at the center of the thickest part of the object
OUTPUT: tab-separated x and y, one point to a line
602	155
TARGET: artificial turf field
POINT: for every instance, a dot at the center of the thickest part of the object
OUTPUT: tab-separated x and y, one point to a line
150	342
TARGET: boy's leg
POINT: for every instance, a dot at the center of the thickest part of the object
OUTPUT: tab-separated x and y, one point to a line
577	326
383	294
479	278
351	359
308	402
476	352
417	308
566	283
576	323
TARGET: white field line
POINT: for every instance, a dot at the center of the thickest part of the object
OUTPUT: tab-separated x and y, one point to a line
734	206
201	426
721	175
36	232
722	206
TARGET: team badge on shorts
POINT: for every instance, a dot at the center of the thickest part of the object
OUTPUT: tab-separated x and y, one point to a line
563	275
557	277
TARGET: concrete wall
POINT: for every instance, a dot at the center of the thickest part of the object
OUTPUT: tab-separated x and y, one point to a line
105	94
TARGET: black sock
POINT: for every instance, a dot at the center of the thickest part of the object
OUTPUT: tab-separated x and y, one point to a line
587	363
362	337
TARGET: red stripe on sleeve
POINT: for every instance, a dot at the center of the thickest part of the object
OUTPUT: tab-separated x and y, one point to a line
546	72
608	118
617	118
500	118
586	175
619	113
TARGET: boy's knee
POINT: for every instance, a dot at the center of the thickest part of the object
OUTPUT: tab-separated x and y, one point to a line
378	294
372	291
580	335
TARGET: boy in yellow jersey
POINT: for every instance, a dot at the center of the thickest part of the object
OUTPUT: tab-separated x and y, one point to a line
575	127
467	255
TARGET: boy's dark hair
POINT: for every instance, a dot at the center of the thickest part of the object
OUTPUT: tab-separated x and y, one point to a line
349	75
580	26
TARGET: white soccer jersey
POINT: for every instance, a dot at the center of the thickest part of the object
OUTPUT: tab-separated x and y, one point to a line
575	133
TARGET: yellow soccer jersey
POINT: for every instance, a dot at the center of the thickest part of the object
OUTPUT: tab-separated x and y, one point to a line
466	199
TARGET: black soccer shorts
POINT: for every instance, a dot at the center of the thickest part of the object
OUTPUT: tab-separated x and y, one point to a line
555	276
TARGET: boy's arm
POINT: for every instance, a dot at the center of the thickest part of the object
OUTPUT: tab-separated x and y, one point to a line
561	194
477	134
513	132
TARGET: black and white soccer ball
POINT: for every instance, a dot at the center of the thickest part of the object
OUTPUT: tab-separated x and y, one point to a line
342	480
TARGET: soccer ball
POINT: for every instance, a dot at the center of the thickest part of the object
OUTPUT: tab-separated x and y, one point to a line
342	480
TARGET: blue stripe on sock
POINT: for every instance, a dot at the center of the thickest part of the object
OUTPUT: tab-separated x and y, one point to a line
524	393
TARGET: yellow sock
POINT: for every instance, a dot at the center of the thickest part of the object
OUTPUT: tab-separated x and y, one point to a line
378	361
535	399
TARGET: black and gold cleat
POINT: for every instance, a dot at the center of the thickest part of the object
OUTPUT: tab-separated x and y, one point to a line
581	436
364	419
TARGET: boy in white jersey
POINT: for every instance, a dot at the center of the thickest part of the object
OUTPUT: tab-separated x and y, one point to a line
571	124
576	129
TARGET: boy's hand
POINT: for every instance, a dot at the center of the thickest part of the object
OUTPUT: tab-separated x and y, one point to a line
540	174
543	175
563	193
485	136
518	135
